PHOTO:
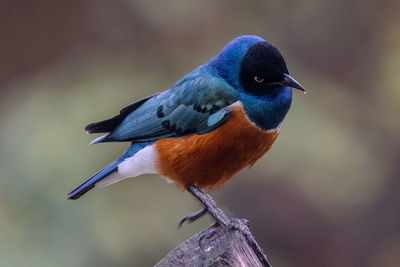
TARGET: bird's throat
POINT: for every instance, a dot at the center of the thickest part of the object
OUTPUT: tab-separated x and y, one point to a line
267	111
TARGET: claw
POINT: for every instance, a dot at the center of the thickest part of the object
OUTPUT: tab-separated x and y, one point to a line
210	207
193	216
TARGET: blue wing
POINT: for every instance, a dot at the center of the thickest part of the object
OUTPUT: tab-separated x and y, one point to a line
193	105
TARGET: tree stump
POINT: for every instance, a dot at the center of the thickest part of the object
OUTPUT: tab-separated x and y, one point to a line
229	245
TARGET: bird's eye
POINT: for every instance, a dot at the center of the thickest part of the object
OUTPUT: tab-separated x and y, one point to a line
258	79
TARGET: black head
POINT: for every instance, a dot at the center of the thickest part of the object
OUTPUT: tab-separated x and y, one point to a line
263	70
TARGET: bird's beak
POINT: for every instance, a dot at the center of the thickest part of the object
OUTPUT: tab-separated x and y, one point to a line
289	81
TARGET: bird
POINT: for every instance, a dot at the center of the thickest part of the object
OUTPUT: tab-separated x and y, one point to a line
216	120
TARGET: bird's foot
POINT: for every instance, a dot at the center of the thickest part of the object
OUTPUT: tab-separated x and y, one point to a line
210	207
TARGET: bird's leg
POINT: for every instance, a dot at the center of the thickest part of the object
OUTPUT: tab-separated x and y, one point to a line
210	207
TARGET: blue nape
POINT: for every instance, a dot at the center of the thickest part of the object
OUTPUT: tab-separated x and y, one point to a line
227	63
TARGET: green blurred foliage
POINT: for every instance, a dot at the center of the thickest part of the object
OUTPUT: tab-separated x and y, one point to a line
325	195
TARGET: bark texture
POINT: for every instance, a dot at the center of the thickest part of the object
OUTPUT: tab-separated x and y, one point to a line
230	245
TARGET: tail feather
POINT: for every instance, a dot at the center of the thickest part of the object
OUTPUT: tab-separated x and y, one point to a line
90	183
109	169
107	126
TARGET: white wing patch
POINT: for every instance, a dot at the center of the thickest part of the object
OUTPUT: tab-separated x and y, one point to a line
140	163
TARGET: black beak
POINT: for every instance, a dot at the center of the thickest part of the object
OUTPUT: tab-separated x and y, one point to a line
289	81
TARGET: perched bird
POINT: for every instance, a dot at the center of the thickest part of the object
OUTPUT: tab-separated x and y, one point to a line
219	118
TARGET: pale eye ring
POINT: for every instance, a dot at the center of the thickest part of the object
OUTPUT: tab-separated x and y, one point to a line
258	79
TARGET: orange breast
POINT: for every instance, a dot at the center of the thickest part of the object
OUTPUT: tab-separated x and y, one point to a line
210	159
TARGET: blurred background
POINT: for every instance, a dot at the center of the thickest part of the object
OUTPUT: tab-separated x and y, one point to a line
327	193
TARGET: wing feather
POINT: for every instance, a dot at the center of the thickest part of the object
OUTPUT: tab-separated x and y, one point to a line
109	125
198	105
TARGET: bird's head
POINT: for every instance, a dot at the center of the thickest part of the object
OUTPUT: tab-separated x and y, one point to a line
254	65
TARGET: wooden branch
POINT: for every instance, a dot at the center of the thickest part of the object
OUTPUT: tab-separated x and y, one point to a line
230	245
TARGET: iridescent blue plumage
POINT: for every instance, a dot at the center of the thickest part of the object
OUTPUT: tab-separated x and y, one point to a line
184	108
248	70
228	62
267	111
187	105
